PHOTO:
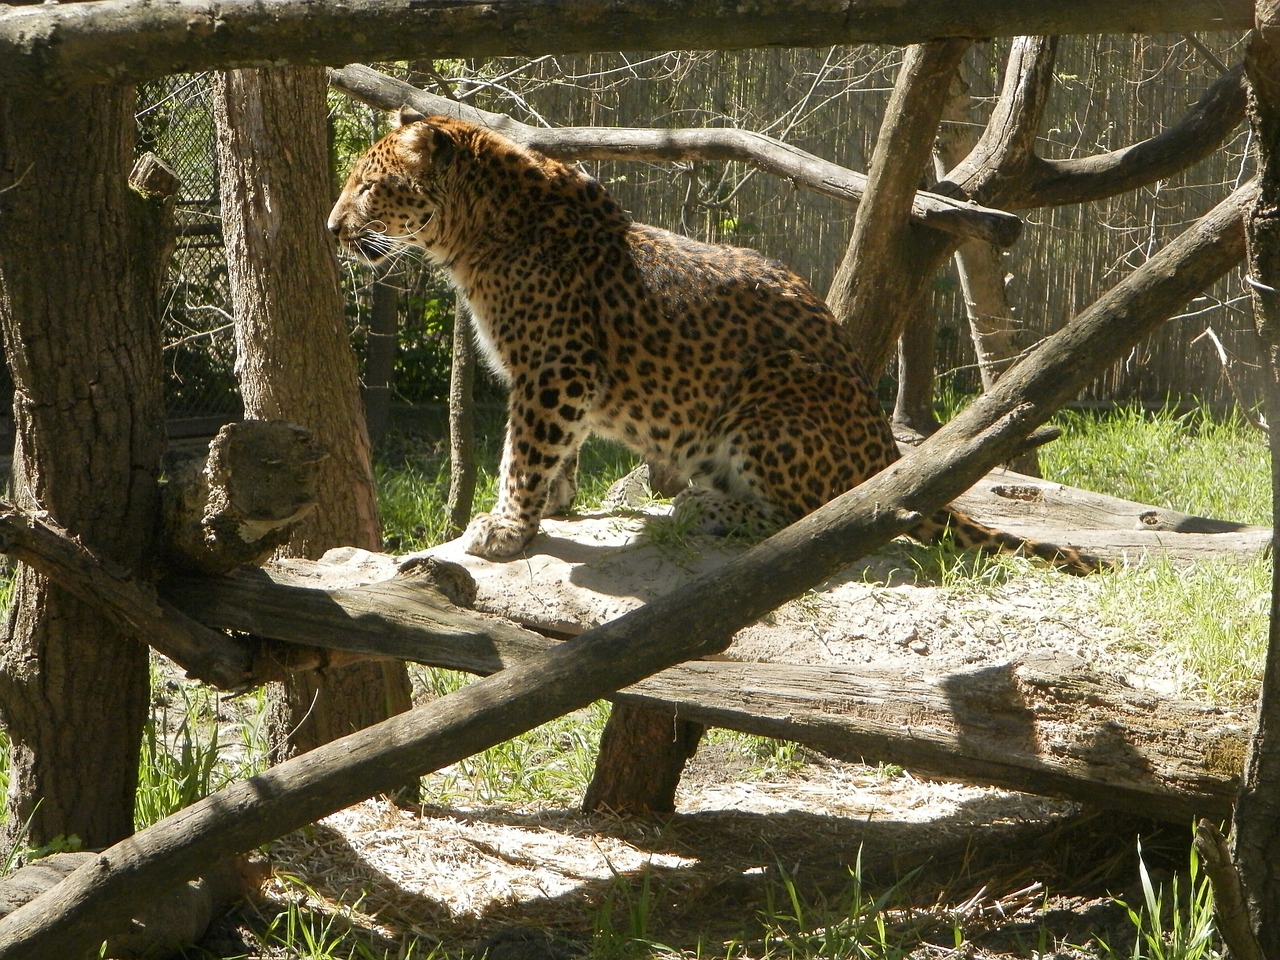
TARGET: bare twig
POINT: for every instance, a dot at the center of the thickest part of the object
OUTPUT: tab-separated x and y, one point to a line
1228	893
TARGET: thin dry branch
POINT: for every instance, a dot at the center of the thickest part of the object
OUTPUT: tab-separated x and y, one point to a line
963	219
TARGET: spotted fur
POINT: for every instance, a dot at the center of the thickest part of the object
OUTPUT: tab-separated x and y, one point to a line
716	362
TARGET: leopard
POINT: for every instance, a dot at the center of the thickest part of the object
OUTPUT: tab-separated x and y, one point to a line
717	364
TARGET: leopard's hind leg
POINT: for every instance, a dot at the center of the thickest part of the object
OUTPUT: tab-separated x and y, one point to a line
795	432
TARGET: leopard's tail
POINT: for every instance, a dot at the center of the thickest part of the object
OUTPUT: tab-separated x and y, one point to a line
970	534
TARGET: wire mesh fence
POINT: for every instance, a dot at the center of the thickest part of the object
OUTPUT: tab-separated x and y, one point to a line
175	121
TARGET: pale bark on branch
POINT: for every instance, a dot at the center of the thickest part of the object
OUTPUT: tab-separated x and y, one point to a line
711	144
125	41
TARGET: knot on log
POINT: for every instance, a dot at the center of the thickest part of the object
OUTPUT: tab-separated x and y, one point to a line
451	579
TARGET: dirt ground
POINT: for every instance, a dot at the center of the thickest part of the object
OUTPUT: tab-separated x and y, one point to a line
1021	875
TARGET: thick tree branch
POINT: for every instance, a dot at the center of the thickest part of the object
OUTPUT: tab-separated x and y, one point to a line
715	144
58	46
994	175
1199	133
879	276
1007	143
1256	846
211	656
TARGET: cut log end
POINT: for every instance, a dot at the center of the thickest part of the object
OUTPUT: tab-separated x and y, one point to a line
244	499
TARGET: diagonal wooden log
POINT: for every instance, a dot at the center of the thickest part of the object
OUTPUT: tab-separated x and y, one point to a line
714	144
698	619
216	658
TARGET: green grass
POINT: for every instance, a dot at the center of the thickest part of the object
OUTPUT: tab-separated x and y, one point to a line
550	765
1189	462
1171	924
1210	616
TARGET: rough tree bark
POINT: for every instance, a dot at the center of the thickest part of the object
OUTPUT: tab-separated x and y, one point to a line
1040	725
295	360
878	285
1257	827
78	310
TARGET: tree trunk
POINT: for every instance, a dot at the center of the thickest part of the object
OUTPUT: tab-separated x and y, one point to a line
380	358
462	422
1257	831
913	417
642	756
295	360
79	315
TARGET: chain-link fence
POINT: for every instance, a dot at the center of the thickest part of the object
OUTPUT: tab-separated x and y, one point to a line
175	121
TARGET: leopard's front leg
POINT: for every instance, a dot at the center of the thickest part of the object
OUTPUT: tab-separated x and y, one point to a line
545	427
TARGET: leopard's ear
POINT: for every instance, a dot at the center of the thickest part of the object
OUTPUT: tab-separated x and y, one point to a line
405	116
427	139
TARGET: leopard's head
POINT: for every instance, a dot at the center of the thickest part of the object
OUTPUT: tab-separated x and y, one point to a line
398	192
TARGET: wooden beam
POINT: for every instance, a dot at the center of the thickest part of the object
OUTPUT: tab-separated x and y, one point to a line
1040	726
60	46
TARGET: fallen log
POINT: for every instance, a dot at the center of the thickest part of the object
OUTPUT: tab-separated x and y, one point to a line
1043	726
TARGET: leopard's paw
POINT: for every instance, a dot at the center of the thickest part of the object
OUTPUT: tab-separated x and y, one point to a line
701	510
496	538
